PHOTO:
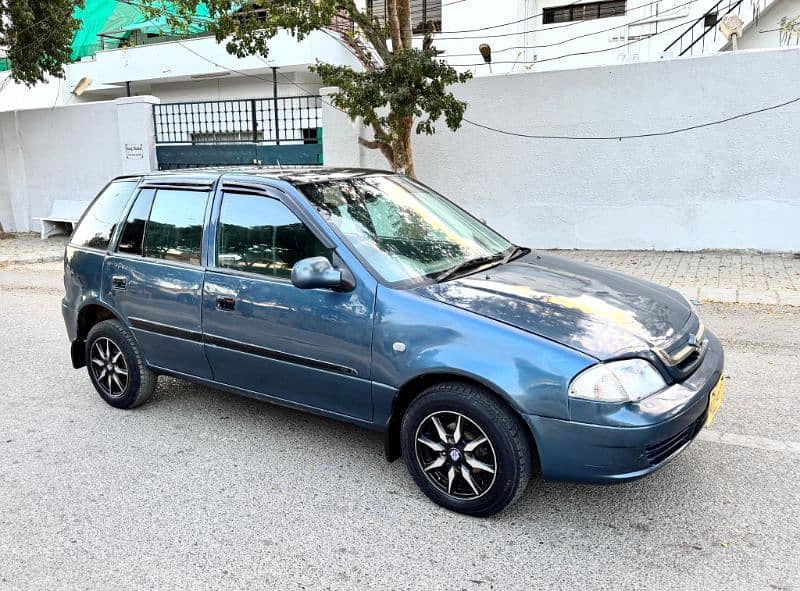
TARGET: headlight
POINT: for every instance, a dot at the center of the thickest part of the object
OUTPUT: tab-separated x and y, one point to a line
618	381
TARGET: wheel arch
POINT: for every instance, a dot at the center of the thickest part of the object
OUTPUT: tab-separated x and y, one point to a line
417	385
88	316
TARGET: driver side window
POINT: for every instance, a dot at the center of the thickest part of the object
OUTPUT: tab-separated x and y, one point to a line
261	235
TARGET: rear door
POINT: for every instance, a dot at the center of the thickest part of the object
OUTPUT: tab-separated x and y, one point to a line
154	277
262	333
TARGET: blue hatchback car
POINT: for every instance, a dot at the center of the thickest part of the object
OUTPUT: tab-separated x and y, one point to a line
366	296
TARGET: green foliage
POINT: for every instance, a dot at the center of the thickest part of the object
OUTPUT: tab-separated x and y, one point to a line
789	30
37	36
412	84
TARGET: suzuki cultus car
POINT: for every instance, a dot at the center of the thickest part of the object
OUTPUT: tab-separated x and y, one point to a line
365	296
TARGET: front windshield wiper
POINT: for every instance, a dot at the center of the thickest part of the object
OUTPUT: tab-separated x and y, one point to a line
500	258
468	264
515	250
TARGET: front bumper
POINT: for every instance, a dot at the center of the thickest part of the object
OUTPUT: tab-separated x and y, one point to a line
631	440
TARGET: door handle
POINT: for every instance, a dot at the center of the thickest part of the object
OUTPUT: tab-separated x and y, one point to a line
119	282
226	303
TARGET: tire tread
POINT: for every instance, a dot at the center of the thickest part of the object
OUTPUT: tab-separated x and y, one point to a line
146	378
500	415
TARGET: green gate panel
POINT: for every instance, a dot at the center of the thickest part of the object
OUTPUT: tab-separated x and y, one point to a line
190	156
293	154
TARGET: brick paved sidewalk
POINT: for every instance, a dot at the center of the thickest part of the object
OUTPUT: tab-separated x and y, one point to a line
712	276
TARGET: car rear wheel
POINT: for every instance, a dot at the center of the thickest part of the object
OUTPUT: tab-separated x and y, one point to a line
116	367
465	449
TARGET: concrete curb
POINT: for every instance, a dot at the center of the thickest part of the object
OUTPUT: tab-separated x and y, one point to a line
733	295
30	260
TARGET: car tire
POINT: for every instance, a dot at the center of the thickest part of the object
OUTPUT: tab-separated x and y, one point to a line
116	367
451	464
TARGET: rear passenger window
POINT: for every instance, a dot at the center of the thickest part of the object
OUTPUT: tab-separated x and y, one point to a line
174	231
261	235
102	217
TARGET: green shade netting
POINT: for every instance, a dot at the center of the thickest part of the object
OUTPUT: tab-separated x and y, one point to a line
117	18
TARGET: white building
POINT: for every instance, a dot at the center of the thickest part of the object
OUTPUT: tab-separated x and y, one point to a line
524	35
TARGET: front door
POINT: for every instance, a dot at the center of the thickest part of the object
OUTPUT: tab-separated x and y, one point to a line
154	279
263	334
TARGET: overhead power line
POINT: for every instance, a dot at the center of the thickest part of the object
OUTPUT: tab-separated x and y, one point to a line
642	20
445	34
270	80
621	137
576	53
616	137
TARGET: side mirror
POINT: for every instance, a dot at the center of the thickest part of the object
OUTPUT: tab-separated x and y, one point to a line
318	273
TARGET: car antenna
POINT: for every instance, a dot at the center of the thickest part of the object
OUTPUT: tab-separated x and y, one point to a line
279	165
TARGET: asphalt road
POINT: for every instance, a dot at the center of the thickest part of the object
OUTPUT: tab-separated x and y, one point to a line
202	489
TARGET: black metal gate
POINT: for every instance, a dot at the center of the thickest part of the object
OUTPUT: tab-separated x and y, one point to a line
284	130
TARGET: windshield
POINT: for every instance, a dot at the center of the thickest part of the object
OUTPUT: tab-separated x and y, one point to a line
402	229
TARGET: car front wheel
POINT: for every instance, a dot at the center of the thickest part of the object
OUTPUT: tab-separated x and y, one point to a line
116	368
465	449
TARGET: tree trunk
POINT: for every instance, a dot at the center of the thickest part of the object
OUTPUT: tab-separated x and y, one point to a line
404	16
403	161
398	152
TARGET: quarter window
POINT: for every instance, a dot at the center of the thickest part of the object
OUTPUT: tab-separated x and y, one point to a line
583	12
174	231
261	235
132	237
102	217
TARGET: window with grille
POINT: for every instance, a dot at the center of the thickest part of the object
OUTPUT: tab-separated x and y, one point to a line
426	15
226	137
583	12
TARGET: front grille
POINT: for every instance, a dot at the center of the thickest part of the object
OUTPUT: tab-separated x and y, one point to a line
661	451
686	352
690	363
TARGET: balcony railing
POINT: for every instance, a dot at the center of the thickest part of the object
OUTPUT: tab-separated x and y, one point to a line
137	38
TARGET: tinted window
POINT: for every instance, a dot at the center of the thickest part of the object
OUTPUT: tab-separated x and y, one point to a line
174	231
101	219
260	235
133	233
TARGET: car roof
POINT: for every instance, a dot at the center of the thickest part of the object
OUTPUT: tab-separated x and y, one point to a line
298	175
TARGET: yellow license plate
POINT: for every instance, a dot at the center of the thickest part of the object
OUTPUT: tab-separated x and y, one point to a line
715	400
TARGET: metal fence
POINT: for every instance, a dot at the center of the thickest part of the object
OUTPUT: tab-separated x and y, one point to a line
285	120
283	130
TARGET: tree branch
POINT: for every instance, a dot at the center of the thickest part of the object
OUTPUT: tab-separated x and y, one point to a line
376	35
371	144
361	52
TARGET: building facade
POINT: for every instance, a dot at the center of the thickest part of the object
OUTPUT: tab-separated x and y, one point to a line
131	56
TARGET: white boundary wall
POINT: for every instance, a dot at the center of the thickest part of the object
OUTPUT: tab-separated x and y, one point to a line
69	153
735	185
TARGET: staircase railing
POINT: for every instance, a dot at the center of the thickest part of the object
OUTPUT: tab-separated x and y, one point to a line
704	29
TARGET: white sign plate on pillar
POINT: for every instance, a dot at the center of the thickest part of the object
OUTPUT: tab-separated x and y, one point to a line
134	152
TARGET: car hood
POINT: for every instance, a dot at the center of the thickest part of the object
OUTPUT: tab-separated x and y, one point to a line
598	312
